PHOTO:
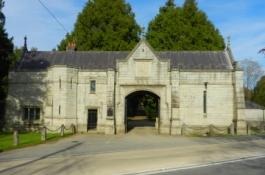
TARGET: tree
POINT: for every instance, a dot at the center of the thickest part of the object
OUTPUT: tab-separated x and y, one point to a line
104	25
252	72
6	49
259	92
183	28
262	51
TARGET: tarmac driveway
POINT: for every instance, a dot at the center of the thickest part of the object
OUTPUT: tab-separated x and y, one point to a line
122	154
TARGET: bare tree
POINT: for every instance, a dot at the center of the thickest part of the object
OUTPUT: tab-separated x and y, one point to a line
252	72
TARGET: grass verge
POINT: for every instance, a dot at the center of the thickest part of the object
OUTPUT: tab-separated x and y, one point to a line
26	139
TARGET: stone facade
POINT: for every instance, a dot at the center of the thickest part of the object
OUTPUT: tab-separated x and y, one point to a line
63	94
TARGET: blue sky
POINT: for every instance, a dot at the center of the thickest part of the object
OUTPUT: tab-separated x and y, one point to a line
243	20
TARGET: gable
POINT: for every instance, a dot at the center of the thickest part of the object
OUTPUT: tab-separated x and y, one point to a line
142	51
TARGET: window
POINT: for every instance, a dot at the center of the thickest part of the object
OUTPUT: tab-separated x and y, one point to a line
205	102
59	109
60	83
92	86
110	111
31	113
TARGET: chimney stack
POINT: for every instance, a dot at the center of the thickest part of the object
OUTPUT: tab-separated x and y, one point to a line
71	46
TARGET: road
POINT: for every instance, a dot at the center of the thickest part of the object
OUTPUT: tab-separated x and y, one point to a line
129	154
255	166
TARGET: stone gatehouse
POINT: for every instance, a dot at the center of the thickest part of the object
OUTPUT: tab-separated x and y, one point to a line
93	89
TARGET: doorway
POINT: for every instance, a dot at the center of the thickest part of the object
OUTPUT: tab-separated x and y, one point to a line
141	110
92	119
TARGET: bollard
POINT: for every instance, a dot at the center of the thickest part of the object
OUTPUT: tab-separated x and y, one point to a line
73	128
248	129
43	134
62	130
15	137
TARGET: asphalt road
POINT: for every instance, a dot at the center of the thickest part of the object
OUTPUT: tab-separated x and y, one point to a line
133	153
243	167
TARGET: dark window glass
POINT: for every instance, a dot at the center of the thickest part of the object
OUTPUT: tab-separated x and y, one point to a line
92	86
110	111
31	113
26	114
205	101
37	113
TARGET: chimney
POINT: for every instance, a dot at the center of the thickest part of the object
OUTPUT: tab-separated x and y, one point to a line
71	46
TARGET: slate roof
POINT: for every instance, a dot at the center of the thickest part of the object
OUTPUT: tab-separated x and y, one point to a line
39	60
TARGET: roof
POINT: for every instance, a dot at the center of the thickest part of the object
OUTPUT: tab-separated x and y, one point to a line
38	60
253	105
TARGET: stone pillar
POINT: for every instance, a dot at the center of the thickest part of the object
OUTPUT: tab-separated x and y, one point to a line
110	122
15	137
239	101
62	130
175	121
175	127
73	128
43	134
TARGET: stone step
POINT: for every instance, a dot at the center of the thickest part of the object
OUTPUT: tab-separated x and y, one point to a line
143	130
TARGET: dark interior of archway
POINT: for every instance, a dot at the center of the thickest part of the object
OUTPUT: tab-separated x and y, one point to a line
142	109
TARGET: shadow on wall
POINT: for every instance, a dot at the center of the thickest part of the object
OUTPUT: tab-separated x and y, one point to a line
25	89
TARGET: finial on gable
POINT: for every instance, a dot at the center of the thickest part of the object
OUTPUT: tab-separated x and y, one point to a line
25	47
228	43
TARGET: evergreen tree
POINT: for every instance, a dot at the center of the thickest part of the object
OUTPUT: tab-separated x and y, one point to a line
6	49
183	28
259	92
104	25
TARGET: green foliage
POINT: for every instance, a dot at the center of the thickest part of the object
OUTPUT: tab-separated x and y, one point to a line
104	25
150	106
259	92
6	49
183	28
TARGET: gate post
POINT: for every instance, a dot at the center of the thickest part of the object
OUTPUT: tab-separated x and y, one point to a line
43	134
15	137
62	130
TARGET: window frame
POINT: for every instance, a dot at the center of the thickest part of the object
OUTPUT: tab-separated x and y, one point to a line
92	88
31	113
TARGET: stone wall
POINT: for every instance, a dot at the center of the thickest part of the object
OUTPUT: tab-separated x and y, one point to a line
25	89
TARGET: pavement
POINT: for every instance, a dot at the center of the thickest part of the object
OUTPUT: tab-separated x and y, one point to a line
130	154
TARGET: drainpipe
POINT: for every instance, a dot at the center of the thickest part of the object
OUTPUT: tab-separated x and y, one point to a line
263	118
114	101
76	88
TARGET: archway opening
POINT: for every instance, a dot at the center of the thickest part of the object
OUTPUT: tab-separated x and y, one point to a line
141	110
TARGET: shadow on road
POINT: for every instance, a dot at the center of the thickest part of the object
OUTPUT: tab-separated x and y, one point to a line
41	158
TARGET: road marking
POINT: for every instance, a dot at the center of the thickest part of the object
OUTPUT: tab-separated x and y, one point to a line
166	170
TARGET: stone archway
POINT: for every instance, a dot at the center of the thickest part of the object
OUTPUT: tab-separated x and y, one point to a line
142	109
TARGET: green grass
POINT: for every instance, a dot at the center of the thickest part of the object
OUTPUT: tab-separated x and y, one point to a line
26	139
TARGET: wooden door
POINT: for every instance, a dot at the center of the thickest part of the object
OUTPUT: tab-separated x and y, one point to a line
92	119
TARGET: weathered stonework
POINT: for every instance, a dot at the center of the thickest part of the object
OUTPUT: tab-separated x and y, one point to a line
180	92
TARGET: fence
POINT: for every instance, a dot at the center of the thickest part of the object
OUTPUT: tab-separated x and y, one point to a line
43	131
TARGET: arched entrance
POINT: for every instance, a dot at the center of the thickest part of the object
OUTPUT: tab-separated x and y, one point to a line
141	110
